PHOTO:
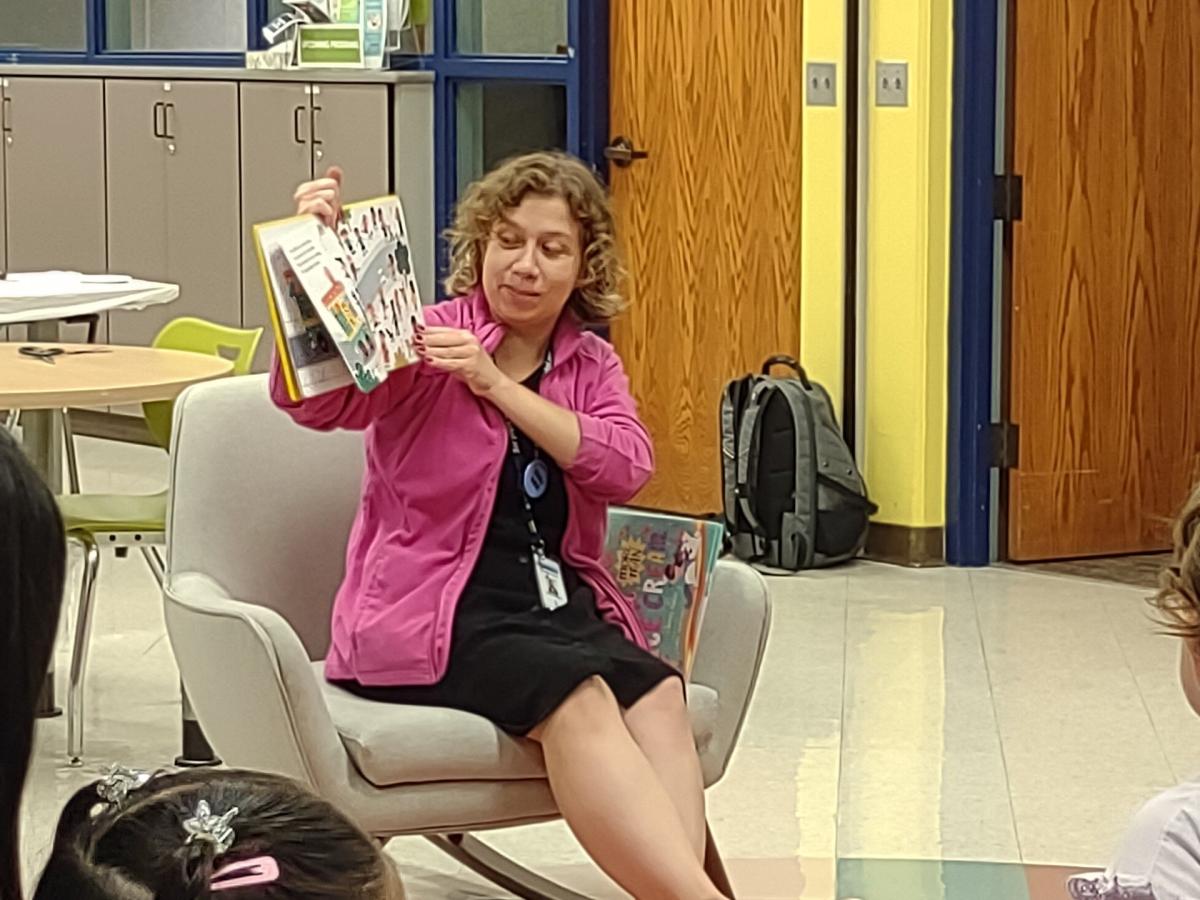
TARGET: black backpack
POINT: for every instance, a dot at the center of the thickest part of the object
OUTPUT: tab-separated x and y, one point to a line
794	498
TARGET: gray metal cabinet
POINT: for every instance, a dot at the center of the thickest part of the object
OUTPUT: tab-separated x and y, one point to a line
276	127
173	202
293	132
350	129
51	179
3	202
54	173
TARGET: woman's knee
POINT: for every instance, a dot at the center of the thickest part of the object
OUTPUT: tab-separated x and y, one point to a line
588	706
661	714
665	701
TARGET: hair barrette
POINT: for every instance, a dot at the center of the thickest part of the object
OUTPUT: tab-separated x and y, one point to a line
208	827
115	787
245	873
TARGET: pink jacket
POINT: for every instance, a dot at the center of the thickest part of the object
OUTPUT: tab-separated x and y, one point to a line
434	453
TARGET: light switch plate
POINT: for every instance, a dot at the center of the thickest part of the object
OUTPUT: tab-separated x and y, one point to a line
891	83
821	81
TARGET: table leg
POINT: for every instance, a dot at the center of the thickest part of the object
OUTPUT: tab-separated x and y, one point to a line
196	749
42	439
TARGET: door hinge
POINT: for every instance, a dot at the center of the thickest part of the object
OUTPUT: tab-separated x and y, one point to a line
1006	441
1008	197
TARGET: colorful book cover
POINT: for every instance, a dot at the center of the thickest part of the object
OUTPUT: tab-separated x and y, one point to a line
665	563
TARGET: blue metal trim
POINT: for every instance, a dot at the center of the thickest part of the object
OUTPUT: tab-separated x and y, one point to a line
121	58
971	284
591	18
14	56
444	14
187	60
97	28
574	104
507	68
256	18
584	73
96	50
445	153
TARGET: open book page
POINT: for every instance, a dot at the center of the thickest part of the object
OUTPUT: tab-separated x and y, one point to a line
665	563
311	362
344	300
374	235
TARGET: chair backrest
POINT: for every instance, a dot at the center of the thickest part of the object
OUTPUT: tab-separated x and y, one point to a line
199	336
261	505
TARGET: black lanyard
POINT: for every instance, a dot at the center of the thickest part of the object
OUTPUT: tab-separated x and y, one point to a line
536	543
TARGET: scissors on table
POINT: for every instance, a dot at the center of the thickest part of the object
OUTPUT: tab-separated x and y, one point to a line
48	354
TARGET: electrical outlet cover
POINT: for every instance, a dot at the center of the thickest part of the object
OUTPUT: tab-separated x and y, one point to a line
821	84
891	83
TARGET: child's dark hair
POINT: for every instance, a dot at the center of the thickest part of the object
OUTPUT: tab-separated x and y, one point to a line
139	849
32	564
1178	599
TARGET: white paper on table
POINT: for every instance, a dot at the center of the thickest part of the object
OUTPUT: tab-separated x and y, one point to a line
43	296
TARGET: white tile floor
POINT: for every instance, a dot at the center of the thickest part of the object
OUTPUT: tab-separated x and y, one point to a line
939	714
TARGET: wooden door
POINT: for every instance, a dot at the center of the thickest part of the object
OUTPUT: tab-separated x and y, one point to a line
712	91
54	167
276	157
1106	279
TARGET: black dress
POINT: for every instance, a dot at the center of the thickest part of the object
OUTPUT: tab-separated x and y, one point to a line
511	661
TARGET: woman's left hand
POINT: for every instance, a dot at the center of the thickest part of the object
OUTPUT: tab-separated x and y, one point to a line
460	354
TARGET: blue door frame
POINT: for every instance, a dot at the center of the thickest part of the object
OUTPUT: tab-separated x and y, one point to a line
583	72
96	52
968	463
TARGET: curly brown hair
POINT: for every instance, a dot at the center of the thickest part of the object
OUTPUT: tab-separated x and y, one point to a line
597	298
1177	602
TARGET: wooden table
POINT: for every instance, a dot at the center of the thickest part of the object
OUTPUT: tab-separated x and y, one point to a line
120	375
117	376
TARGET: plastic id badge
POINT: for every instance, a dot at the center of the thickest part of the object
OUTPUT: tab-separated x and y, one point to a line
552	589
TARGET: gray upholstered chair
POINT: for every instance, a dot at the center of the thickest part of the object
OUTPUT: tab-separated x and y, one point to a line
259	514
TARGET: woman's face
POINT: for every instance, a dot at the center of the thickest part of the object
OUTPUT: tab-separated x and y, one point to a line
531	262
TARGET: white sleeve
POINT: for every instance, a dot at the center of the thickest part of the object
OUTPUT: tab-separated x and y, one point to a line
1162	845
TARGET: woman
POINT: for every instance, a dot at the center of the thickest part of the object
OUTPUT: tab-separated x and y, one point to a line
490	466
32	564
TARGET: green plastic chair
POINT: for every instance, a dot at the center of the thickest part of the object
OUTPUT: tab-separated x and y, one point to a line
122	521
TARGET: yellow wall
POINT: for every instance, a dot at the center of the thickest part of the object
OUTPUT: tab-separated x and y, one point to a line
822	335
907	250
908	261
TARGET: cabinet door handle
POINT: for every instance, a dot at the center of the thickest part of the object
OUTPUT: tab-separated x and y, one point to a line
158	130
298	124
316	140
168	121
6	116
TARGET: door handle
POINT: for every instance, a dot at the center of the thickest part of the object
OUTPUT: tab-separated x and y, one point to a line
298	124
158	129
622	153
6	116
318	144
315	120
168	123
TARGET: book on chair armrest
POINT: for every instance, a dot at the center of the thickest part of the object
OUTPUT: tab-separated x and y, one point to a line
665	563
343	301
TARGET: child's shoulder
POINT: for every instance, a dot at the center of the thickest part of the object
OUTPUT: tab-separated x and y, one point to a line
1162	843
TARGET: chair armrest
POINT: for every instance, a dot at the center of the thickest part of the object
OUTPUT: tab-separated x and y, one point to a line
256	698
729	654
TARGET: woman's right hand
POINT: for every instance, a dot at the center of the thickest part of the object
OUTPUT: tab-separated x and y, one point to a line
322	197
